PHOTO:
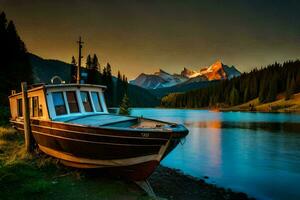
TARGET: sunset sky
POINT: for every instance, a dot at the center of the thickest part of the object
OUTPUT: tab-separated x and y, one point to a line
137	36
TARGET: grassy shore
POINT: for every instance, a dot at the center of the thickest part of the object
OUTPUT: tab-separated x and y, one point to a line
279	105
37	176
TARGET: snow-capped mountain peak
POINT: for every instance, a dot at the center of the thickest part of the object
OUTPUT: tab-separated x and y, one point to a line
216	71
189	73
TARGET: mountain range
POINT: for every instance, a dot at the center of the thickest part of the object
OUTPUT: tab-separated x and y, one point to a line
149	87
162	79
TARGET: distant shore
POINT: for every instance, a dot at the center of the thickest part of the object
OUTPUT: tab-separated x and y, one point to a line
279	106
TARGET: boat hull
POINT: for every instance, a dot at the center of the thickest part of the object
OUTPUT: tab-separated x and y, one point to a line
130	154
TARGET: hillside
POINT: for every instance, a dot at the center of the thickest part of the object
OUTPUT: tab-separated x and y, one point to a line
45	69
279	105
264	84
184	87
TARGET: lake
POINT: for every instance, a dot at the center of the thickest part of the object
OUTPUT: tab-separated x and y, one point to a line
255	153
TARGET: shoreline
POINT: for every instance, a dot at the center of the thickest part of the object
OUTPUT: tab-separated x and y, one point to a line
222	110
40	176
173	184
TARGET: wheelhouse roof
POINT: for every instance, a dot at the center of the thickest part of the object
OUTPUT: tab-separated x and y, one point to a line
67	85
74	85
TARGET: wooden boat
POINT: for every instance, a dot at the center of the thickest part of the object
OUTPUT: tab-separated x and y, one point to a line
71	122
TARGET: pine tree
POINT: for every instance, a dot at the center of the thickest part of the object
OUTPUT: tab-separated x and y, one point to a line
262	91
73	70
73	61
119	75
234	97
95	65
272	93
124	107
246	95
88	62
290	89
15	66
107	80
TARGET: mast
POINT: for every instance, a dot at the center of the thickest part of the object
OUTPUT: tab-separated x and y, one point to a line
79	60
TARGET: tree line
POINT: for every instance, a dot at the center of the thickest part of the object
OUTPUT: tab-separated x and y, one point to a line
14	61
264	83
97	75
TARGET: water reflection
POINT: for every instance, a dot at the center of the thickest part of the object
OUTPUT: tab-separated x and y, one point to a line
215	142
257	153
291	127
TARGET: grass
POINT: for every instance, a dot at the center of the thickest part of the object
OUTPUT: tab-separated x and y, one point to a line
37	176
280	105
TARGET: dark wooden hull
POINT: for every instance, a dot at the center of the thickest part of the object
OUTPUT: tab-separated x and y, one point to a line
132	154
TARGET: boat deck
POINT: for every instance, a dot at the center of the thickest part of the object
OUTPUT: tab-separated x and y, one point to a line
96	120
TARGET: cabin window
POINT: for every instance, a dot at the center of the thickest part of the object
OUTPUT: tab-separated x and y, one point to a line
86	101
96	101
35	106
59	103
72	102
20	107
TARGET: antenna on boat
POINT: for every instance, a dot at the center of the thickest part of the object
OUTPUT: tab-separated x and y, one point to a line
79	60
57	78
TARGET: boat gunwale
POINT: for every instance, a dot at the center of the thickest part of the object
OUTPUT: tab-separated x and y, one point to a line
94	142
173	130
94	134
29	90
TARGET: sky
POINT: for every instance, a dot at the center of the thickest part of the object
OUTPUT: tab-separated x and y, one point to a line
137	36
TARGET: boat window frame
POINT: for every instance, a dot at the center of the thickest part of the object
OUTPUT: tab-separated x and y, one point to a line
99	101
90	100
77	102
64	100
77	90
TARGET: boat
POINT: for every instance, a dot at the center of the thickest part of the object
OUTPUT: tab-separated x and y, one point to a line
71	122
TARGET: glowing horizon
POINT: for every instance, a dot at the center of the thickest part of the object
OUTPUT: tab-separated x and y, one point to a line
141	37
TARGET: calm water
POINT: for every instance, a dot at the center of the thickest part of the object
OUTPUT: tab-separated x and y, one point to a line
256	153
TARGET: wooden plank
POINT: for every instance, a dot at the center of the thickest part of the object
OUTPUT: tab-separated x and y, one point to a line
26	117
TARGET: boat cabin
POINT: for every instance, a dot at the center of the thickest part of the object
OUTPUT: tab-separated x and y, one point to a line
60	102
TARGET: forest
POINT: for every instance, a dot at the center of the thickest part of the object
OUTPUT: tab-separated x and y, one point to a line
116	87
16	66
264	83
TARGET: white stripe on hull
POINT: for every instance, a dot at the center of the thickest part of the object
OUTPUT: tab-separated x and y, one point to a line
91	163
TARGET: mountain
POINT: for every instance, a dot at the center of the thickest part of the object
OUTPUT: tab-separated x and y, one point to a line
184	87
189	73
148	81
219	71
251	91
45	69
159	79
162	79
